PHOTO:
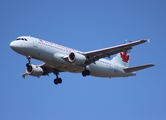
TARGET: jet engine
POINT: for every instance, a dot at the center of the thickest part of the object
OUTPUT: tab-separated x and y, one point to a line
76	58
34	70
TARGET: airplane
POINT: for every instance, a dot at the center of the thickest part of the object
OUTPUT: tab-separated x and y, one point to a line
58	58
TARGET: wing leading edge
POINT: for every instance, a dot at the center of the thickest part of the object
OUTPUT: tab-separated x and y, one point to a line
107	52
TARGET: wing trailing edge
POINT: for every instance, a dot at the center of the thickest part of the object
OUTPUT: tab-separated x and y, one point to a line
136	68
107	52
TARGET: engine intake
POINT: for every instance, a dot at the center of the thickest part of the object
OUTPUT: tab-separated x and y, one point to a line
77	58
34	70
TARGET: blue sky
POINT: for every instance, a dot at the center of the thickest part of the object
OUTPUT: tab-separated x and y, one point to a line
84	25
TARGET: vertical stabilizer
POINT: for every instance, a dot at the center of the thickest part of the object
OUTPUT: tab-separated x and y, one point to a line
123	58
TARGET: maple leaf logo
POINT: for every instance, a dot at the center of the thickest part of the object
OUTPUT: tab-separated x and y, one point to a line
124	56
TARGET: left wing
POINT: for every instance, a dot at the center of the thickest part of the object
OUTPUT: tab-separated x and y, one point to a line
107	52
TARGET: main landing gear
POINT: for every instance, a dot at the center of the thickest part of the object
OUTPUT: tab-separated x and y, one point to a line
57	80
85	73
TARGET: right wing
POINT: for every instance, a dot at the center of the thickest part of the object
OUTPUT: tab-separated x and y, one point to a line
107	52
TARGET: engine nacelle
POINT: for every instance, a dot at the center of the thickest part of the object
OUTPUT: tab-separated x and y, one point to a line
77	58
34	70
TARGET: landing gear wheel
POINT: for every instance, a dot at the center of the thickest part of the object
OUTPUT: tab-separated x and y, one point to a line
57	81
85	73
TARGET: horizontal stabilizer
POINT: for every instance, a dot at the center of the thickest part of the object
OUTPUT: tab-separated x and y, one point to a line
133	69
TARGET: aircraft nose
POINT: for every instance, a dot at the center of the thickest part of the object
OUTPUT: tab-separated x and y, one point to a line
18	46
13	45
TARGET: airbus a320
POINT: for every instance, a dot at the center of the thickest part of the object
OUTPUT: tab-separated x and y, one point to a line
58	58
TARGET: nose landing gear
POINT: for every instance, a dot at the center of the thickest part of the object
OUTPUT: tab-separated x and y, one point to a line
29	59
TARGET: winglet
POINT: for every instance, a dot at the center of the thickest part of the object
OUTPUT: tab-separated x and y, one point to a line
148	40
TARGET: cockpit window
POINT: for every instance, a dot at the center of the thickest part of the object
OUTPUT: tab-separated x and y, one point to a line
24	39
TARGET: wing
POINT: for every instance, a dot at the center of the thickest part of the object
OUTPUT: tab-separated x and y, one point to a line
49	69
34	69
107	52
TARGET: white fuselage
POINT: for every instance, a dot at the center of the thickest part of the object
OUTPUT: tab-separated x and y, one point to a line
54	54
